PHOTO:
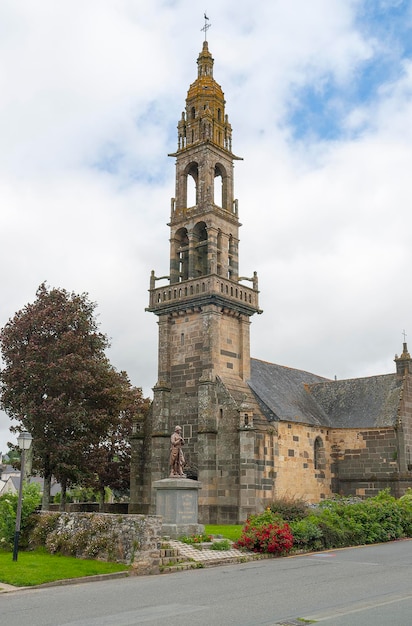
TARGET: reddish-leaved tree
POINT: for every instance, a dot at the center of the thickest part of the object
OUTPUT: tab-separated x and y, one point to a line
58	383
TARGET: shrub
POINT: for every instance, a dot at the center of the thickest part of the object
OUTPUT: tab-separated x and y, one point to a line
307	535
405	504
266	533
45	524
8	511
345	523
289	510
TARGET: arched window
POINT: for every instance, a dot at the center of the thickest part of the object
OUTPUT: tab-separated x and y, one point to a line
220	186
191	178
200	249
182	253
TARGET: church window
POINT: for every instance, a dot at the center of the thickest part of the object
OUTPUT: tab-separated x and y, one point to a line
200	249
219	115
191	185
182	339
319	454
182	253
220	186
193	113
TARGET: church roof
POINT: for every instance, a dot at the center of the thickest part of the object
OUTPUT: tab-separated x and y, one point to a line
360	402
283	394
287	394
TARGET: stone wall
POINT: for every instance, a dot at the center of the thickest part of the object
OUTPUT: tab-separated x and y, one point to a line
405	427
123	538
302	468
364	462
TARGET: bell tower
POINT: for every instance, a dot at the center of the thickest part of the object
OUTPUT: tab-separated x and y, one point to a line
204	307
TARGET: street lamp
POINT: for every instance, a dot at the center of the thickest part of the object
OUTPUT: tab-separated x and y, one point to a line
24	442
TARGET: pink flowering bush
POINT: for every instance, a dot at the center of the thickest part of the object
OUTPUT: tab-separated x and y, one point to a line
266	533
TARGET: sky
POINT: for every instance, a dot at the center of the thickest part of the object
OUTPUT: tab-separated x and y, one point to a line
319	95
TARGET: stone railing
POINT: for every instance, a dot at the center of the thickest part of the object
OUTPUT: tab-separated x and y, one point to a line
204	288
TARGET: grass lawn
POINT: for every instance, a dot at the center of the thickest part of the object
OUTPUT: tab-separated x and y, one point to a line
35	568
231	532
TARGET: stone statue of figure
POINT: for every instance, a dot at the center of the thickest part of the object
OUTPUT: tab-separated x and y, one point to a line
177	460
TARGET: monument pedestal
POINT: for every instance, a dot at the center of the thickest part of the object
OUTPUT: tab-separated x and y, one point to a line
177	503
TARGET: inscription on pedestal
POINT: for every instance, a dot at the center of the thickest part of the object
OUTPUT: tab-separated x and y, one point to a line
177	503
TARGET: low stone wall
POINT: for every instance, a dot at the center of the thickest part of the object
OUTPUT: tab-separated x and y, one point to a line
120	508
124	538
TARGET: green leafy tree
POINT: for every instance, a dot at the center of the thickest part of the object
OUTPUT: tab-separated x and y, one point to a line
109	460
58	383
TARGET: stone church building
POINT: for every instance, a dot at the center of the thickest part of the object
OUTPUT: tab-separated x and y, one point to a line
254	431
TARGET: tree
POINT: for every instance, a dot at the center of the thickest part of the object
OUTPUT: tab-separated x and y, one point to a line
58	383
109	460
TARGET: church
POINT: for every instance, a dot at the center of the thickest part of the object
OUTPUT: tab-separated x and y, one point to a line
254	431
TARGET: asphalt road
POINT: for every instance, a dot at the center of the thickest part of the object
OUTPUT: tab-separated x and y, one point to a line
367	586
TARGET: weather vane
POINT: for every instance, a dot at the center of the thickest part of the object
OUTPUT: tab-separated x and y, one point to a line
206	26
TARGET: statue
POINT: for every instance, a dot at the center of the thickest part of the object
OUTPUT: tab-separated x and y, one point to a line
177	460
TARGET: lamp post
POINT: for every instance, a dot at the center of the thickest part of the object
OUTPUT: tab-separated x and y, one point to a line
24	442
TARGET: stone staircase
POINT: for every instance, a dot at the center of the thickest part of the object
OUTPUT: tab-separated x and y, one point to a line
174	556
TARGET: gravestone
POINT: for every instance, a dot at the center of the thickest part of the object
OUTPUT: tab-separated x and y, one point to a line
177	503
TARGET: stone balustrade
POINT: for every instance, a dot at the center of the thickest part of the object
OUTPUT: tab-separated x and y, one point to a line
195	290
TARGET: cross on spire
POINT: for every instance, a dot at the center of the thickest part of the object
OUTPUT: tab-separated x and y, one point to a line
206	26
404	336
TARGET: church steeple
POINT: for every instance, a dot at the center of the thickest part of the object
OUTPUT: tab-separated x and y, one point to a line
204	118
204	311
204	222
205	62
403	362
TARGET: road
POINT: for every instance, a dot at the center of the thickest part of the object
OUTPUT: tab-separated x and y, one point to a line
365	586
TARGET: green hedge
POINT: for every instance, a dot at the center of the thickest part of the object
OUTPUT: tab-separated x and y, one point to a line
341	522
334	523
8	510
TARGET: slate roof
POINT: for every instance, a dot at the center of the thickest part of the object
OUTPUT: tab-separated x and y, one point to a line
287	394
360	402
281	393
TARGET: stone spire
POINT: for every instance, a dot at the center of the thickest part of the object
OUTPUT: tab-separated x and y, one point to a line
204	118
403	362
